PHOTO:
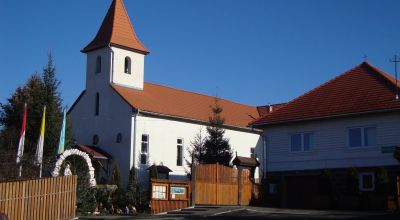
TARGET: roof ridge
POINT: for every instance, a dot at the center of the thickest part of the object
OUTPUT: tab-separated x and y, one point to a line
130	24
197	93
310	91
387	76
306	93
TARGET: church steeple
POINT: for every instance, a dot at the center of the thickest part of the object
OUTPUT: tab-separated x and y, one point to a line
116	30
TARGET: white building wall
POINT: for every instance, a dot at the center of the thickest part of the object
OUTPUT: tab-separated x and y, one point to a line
163	135
119	77
330	148
114	114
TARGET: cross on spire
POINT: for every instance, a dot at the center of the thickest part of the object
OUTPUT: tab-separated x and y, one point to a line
396	60
365	57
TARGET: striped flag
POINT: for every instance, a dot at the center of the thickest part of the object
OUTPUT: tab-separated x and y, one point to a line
39	149
62	135
21	144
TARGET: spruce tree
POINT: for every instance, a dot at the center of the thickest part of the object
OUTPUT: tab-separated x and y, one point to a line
132	190
196	151
39	90
217	148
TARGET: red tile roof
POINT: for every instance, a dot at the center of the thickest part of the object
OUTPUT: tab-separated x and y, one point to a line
266	109
116	30
183	104
92	151
362	89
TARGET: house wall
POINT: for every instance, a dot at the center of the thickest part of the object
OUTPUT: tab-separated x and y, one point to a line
163	134
114	114
330	148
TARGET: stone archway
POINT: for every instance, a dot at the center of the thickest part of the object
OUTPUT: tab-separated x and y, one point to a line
85	156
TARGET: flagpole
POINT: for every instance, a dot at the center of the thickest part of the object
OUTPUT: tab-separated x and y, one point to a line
21	143
39	148
40	171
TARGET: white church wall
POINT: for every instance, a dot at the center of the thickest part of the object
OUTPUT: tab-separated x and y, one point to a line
135	78
114	114
163	135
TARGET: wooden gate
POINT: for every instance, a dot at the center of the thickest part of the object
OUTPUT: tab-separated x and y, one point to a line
216	184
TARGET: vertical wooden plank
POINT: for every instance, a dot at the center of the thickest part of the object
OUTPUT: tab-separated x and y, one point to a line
13	201
17	200
52	200
216	177
1	196
37	199
40	198
28	201
8	189
398	190
74	195
47	197
23	195
58	181
65	203
32	200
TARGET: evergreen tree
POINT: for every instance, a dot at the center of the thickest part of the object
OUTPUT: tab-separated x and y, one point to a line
196	151
116	176
40	90
217	148
132	190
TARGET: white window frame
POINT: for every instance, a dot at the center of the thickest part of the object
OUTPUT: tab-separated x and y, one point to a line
148	148
363	128
302	142
361	183
181	145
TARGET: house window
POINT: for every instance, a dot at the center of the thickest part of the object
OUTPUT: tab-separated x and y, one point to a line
301	142
98	64
366	181
145	149
252	152
127	65
95	140
159	192
179	151
119	137
97	105
362	137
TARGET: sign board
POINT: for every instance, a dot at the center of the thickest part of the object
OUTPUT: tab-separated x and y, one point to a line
177	190
388	149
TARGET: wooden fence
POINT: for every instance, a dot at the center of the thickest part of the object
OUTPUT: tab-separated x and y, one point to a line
216	184
47	198
167	195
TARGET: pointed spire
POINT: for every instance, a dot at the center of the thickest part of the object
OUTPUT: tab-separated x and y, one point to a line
116	30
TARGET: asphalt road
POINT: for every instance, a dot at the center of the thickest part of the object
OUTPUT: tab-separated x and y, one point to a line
235	212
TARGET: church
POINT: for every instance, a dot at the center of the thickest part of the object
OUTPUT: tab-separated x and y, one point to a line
121	118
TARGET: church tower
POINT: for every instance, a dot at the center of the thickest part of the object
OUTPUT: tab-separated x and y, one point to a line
115	55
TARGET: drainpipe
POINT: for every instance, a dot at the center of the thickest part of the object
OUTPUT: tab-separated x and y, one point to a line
134	137
264	155
112	65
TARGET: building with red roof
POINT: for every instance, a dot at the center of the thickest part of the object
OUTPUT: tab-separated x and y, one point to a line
139	123
345	130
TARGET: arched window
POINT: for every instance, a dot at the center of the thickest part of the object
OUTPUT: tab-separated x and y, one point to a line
98	64
127	66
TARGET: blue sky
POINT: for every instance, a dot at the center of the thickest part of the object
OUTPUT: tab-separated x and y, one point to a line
254	52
